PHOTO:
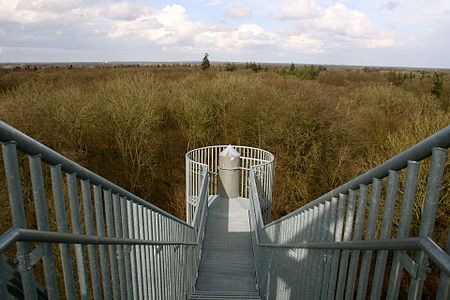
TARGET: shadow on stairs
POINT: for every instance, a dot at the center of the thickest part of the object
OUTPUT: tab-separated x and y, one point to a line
222	295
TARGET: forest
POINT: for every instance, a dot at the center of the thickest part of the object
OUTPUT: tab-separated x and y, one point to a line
133	125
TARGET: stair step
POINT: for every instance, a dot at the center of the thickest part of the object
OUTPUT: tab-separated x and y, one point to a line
223	295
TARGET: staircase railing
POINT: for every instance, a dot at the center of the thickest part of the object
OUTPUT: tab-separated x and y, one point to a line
345	244
112	244
209	156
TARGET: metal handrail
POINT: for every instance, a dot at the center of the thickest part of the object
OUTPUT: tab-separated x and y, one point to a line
135	234
15	234
209	157
53	237
323	240
414	243
33	147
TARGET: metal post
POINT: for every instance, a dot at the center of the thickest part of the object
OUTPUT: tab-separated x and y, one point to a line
126	248
89	223
229	163
18	216
331	217
358	231
370	235
404	227
40	203
428	216
339	224
100	222
119	248
347	237
74	205
109	214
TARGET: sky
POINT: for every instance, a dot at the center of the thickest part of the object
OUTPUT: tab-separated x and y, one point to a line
410	33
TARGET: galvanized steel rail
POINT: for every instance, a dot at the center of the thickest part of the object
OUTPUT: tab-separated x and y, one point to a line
134	249
209	157
325	249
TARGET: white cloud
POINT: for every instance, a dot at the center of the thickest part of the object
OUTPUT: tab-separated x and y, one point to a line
303	43
127	11
210	2
241	39
341	20
298	9
336	22
238	12
55	6
165	27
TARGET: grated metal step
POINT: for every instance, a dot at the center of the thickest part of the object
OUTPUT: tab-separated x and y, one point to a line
224	295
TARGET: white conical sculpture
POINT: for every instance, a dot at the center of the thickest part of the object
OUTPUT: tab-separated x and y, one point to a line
229	170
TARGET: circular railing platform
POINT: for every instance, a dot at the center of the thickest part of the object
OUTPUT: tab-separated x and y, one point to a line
251	160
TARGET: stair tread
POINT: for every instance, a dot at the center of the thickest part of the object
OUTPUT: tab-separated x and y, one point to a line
218	295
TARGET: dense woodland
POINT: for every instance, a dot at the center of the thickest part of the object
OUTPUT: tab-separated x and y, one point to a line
133	125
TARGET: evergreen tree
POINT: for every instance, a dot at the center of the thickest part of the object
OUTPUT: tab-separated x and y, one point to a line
292	68
205	63
438	84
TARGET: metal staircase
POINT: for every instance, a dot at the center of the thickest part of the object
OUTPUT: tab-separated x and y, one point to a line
103	242
224	295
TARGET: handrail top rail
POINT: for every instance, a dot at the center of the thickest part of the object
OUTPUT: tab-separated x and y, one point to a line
30	146
417	152
16	234
190	152
424	243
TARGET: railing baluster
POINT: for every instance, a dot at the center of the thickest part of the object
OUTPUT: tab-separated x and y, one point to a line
112	248
444	282
339	226
358	231
332	215
169	260
313	254
156	236
144	249
126	248
303	253
296	239
100	222
370	235
153	266
74	205
307	238
3	288
380	265
404	227
61	220
139	252
432	193
324	277
133	253
89	222
343	266
119	247
145	263
40	204
18	215
317	272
